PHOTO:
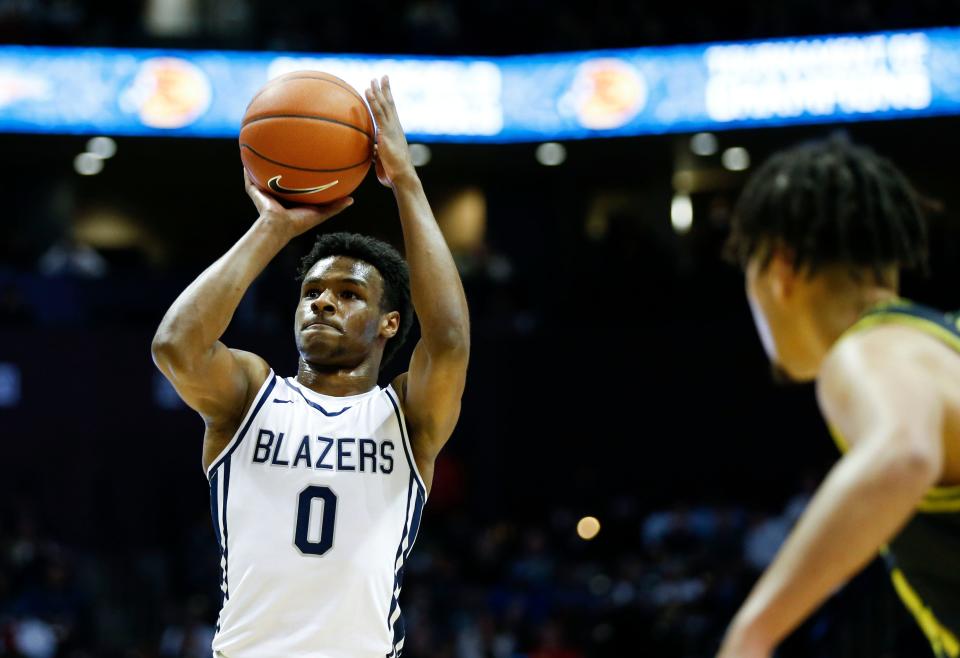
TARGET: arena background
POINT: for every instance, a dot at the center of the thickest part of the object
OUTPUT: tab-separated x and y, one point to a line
615	369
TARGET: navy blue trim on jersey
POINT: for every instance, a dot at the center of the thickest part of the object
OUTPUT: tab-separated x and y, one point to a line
411	528
415	522
215	513
399	627
215	508
399	633
406	527
256	409
406	448
411	536
226	541
329	414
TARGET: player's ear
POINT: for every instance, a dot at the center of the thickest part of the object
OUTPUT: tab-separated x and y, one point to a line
783	273
389	324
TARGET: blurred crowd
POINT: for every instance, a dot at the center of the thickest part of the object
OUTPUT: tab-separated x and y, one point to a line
445	26
660	583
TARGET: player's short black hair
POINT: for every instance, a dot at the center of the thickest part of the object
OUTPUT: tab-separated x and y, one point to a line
831	203
388	262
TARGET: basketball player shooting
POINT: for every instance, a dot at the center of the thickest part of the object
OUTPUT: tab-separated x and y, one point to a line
823	231
318	481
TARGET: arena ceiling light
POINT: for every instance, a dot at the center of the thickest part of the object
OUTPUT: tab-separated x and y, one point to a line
588	527
88	164
681	213
736	158
704	144
551	154
420	154
102	147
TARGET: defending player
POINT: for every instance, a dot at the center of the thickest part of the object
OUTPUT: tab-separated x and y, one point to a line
822	231
318	481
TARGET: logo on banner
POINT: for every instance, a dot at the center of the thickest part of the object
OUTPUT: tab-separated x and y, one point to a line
606	93
168	92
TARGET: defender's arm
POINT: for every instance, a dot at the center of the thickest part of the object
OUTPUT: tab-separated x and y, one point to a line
876	392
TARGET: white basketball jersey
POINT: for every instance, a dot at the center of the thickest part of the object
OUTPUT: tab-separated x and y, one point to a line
316	502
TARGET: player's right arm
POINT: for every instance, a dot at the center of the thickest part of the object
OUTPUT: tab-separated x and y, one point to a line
212	379
879	389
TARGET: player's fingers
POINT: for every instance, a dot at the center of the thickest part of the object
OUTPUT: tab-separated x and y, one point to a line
388	94
381	94
252	190
387	89
375	105
262	200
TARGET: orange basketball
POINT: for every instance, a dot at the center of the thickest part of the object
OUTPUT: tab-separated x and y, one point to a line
307	137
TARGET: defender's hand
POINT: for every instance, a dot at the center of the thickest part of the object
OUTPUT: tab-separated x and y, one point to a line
294	220
391	155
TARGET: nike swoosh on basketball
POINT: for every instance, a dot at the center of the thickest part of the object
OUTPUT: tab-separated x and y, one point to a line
274	184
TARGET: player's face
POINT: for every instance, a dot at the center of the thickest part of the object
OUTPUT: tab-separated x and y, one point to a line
777	314
338	320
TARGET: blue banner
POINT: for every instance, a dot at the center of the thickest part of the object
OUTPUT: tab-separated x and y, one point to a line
505	99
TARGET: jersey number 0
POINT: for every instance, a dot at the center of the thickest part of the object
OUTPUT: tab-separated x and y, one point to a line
304	504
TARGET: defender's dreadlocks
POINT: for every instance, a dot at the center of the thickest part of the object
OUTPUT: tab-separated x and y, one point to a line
830	202
388	261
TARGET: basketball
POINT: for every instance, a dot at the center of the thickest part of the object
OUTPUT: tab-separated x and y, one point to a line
307	137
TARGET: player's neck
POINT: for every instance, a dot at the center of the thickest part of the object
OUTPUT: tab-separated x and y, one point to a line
836	313
337	381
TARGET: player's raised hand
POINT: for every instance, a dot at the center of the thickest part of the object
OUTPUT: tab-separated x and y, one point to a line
391	154
294	220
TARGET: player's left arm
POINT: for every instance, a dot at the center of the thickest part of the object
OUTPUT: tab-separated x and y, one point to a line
876	389
432	388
